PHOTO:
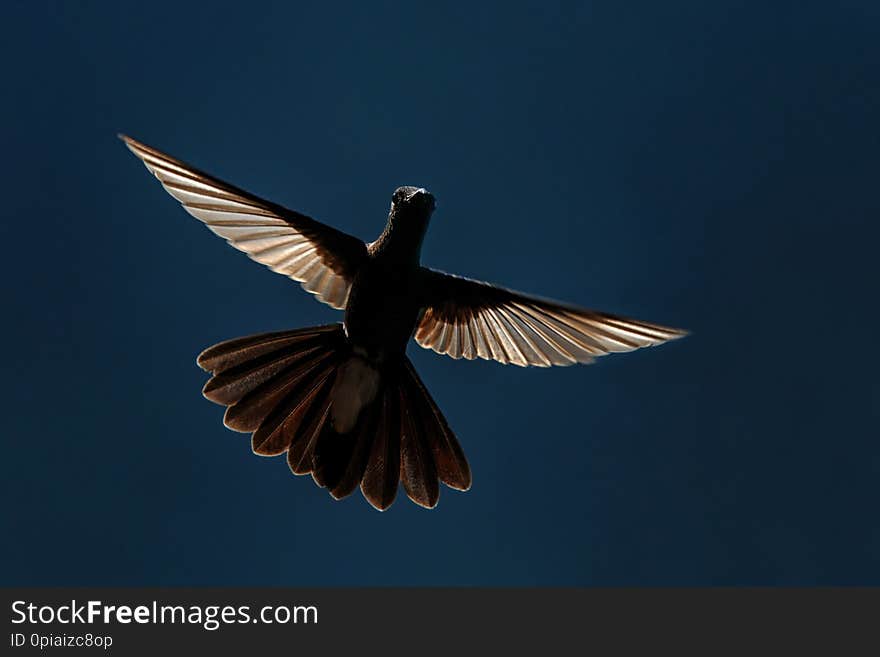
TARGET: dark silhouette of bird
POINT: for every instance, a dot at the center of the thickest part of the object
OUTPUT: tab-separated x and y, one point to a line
343	401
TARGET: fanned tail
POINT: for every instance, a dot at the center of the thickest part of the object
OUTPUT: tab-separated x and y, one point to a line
291	389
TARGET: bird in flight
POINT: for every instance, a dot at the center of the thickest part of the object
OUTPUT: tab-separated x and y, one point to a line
343	401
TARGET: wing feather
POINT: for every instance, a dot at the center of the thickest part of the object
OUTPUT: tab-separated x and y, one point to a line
470	319
324	260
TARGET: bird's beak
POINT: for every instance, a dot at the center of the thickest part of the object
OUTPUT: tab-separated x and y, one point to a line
419	192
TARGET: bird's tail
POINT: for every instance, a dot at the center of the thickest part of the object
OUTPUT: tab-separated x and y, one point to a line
347	422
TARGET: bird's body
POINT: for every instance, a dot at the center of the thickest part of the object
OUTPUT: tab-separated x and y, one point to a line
343	401
383	308
385	298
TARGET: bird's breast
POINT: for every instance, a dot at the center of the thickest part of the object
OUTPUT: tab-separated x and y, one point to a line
382	309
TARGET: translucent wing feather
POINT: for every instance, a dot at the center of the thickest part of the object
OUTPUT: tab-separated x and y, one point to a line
470	319
323	259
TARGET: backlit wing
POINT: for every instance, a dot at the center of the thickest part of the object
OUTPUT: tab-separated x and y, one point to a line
464	318
322	258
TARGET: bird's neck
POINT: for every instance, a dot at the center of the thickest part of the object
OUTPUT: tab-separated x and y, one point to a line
399	244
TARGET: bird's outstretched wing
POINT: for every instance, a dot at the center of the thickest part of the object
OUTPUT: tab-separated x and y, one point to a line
322	258
464	318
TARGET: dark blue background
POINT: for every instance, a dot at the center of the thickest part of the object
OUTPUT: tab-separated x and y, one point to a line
707	165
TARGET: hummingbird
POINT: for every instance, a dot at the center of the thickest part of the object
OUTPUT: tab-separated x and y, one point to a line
343	401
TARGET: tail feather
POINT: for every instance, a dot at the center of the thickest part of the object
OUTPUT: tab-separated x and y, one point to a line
382	475
332	455
302	449
418	471
341	459
281	387
281	426
229	353
452	466
249	413
231	385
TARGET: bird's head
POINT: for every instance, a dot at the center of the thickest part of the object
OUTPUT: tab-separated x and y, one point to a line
415	201
411	209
